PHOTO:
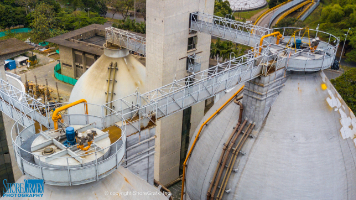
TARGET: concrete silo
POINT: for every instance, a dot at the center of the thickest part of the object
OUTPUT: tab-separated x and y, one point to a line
304	148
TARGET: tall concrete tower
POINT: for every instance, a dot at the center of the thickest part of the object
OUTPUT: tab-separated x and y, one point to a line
169	43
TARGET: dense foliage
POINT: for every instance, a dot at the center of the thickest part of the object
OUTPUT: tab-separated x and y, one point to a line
336	18
97	6
222	9
346	86
46	18
222	50
273	3
131	25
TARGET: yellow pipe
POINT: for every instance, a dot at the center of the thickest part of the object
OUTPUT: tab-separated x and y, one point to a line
292	10
269	10
196	138
305	10
56	116
279	36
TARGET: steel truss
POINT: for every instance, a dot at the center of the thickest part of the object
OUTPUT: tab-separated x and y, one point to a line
183	93
235	31
127	40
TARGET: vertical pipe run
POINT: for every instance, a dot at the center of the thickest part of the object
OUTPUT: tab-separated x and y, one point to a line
197	136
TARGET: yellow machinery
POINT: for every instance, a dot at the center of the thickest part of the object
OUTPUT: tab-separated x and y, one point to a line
294	46
56	116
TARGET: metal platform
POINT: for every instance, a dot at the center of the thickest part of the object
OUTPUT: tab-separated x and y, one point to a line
134	116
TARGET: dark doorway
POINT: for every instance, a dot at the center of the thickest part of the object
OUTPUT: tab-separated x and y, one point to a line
185	137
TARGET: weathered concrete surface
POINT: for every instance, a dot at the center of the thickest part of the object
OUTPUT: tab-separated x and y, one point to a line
298	154
140	148
259	95
207	151
121	184
167	36
8	124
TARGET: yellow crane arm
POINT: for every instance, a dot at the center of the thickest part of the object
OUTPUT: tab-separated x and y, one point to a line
56	116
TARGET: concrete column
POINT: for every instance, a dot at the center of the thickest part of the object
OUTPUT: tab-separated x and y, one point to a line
2	69
84	61
8	124
74	68
259	95
167	36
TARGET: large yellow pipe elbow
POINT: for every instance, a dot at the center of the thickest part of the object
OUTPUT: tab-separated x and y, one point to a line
56	116
279	36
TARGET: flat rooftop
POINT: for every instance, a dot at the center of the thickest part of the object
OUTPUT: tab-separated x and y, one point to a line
88	39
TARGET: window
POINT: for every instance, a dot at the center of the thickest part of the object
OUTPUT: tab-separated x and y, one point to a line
192	18
66	65
192	42
190	62
78	58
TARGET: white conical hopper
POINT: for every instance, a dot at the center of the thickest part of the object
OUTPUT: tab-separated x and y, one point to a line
93	84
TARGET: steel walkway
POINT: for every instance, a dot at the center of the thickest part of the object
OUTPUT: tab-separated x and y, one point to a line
140	110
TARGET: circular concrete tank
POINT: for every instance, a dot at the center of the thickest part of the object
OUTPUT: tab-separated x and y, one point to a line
93	84
299	153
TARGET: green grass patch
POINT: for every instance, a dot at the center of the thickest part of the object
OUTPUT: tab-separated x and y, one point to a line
313	19
248	14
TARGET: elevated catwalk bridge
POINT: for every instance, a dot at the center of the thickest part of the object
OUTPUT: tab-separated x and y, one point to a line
195	88
138	111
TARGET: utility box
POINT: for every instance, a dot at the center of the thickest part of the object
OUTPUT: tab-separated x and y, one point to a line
10	64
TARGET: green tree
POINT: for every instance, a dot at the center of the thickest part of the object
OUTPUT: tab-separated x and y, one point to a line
43	22
222	9
121	6
131	25
346	87
332	13
11	16
77	19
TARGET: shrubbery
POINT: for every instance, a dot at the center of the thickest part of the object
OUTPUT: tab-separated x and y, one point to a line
131	25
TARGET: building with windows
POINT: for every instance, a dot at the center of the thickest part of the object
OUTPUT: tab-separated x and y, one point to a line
79	49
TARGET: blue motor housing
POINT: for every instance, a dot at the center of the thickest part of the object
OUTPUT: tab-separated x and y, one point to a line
70	134
298	43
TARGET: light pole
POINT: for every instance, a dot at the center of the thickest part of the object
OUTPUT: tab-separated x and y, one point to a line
343	46
88	12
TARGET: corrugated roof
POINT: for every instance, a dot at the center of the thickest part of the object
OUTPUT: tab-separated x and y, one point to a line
13	45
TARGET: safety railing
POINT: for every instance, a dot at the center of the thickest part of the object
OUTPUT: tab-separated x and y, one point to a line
236	31
125	39
105	160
